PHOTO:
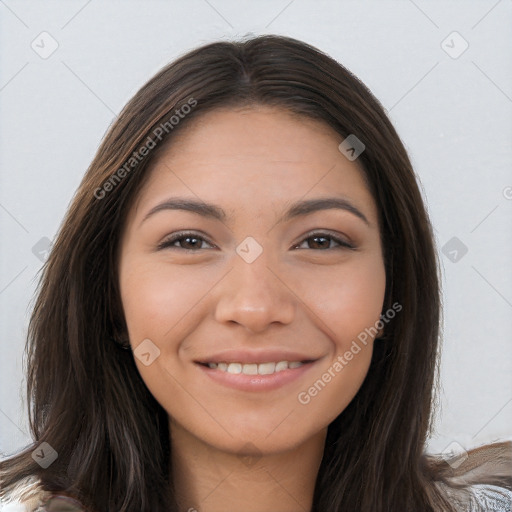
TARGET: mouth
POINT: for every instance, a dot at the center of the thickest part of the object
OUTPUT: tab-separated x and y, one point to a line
266	368
255	372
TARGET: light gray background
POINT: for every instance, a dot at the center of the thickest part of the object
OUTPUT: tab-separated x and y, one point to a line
453	114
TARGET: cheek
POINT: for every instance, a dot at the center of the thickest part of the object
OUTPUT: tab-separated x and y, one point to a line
332	388
347	300
157	300
346	305
348	313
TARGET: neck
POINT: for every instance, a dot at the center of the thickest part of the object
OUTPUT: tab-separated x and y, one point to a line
207	479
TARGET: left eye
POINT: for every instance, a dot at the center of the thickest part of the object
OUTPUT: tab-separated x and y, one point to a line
323	241
191	240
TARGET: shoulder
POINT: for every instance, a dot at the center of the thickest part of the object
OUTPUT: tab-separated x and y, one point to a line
480	498
28	496
485	497
478	481
53	504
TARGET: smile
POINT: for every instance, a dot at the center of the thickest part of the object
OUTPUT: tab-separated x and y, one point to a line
255	377
255	369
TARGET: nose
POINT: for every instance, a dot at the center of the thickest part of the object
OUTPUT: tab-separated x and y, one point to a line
255	296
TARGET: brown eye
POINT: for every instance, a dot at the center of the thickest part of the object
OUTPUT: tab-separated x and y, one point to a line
185	241
322	241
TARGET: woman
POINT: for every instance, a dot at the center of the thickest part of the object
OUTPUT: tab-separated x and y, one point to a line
241	310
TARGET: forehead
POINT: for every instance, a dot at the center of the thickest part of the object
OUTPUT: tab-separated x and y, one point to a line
252	157
254	133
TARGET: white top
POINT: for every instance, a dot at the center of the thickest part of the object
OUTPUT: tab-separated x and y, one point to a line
490	498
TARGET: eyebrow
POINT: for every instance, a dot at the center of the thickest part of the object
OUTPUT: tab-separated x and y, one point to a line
297	209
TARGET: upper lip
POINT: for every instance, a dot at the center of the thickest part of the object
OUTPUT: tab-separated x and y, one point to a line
255	356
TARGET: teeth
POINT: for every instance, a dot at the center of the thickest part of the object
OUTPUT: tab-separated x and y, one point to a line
249	369
282	365
234	368
266	368
255	369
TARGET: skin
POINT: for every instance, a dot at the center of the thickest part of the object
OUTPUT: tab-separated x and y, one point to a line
233	449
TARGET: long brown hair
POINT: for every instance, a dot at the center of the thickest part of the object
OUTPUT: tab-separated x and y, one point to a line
87	399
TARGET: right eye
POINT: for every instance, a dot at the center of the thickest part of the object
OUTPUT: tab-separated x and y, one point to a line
315	237
192	242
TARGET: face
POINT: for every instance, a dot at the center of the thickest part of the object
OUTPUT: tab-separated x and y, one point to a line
218	299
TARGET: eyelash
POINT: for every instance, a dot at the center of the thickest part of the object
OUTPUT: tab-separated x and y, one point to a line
167	244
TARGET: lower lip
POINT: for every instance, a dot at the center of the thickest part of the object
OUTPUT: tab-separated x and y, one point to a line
245	382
